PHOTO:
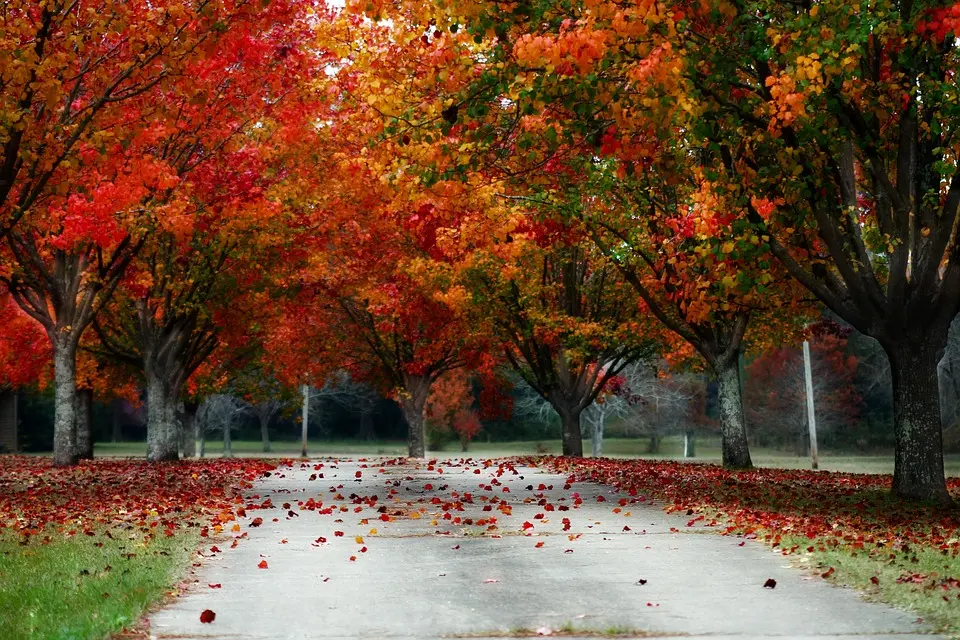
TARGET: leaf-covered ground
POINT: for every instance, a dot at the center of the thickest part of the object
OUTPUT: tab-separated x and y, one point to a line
116	535
845	526
37	499
830	509
85	550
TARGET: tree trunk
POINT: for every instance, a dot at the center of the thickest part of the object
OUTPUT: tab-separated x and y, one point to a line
416	439
265	431
918	461
65	403
203	442
84	418
653	446
689	445
188	430
227	442
417	390
163	432
597	440
570	434
733	430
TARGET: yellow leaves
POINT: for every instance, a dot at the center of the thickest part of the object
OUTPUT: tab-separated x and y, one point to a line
814	10
727	247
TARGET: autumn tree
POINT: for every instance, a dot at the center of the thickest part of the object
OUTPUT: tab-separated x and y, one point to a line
449	407
566	320
72	253
68	71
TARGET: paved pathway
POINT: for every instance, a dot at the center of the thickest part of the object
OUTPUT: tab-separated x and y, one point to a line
432	577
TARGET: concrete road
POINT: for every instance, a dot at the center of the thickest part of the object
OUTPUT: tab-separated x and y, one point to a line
465	550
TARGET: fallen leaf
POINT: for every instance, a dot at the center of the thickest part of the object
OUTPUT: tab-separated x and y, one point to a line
207	616
263	564
770	584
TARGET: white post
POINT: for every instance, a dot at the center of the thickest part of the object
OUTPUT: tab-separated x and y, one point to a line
811	416
306	420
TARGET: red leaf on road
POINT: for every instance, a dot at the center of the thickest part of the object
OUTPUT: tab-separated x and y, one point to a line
214	585
263	564
256	522
207	616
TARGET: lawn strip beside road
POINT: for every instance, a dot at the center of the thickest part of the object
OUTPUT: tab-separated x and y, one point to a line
84	550
85	586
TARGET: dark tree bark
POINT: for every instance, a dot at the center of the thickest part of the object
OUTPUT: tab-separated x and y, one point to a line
571	434
65	403
918	470
733	427
417	390
188	429
84	418
163	428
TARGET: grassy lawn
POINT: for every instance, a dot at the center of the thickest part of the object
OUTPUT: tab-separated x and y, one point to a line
84	550
82	587
925	581
708	450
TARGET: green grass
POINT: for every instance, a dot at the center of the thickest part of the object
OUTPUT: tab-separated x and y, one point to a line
927	598
708	450
71	589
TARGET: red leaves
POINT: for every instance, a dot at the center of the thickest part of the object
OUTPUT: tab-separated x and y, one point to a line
207	616
833	510
566	524
156	499
338	534
770	584
829	572
256	522
214	585
263	564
